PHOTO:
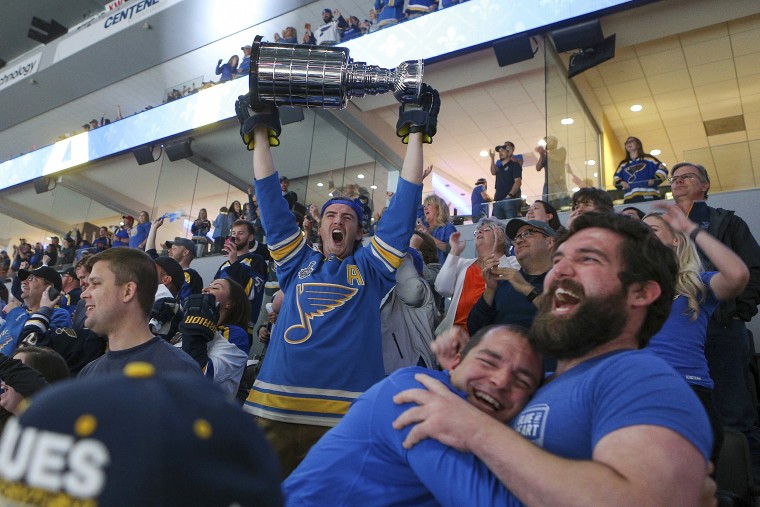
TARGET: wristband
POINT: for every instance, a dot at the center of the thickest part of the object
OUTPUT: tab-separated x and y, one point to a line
533	295
693	234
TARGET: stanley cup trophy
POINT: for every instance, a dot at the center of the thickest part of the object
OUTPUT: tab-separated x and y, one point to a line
323	76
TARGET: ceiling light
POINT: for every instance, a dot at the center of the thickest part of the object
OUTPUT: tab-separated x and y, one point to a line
590	162
542	143
575	189
360	176
330	194
654	153
373	187
636	108
596	175
567	121
483	153
320	184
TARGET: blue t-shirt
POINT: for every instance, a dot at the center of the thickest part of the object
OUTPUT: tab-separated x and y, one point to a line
362	461
681	341
478	208
505	178
443	234
571	413
139	234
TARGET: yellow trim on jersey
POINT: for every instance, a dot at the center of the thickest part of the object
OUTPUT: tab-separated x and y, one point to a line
296	404
390	255
280	252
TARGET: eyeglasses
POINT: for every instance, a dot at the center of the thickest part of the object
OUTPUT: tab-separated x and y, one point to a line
485	228
30	278
527	233
683	177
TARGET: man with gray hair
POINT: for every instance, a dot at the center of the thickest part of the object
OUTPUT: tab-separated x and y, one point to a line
727	345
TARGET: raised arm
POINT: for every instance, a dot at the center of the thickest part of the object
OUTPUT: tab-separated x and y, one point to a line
732	275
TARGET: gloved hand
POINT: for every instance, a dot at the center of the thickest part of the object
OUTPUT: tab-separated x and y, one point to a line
419	117
201	316
249	118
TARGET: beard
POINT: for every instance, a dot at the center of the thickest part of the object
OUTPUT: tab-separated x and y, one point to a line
595	321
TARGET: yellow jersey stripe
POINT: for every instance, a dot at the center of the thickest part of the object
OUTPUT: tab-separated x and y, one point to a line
296	404
389	256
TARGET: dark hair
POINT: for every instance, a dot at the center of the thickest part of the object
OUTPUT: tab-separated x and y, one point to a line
600	198
3	292
428	250
239	314
636	210
554	222
478	336
131	265
701	172
232	209
244	222
639	149
644	258
46	361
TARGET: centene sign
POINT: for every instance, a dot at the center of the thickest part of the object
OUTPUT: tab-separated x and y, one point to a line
20	70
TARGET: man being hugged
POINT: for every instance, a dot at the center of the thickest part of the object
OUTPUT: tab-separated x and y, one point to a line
319	361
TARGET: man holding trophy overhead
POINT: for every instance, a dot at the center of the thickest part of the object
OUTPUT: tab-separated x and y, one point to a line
326	347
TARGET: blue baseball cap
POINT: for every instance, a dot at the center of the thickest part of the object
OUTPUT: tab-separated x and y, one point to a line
138	438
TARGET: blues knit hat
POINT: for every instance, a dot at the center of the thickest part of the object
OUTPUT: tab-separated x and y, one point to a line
136	438
348	202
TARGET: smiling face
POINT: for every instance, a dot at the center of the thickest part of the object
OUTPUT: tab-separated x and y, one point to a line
531	242
102	299
32	288
242	237
499	374
339	230
584	303
538	212
431	212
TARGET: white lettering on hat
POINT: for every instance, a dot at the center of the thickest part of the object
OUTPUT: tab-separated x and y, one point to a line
53	461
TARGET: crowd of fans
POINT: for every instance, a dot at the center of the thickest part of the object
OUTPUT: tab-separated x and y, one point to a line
350	312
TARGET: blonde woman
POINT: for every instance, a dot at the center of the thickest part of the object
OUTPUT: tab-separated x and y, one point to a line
437	217
681	341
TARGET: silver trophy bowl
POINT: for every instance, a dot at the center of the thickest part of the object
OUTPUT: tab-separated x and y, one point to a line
323	76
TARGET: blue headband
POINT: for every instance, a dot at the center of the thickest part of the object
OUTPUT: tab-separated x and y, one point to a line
348	202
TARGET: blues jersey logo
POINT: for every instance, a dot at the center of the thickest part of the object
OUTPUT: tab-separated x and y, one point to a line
314	300
633	169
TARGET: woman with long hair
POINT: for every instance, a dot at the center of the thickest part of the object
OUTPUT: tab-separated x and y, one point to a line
545	212
437	217
639	174
681	341
234	311
228	69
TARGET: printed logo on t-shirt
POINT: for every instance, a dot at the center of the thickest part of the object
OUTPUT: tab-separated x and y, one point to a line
315	300
531	423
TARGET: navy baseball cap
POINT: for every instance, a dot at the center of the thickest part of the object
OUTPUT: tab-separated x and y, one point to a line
173	269
515	224
348	202
137	438
187	243
44	272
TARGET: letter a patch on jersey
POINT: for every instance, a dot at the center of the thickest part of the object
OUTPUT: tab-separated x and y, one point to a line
314	300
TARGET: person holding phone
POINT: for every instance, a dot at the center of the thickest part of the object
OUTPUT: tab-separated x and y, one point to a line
38	321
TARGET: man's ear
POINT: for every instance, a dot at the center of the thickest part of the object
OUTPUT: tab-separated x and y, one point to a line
129	291
643	293
456	361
